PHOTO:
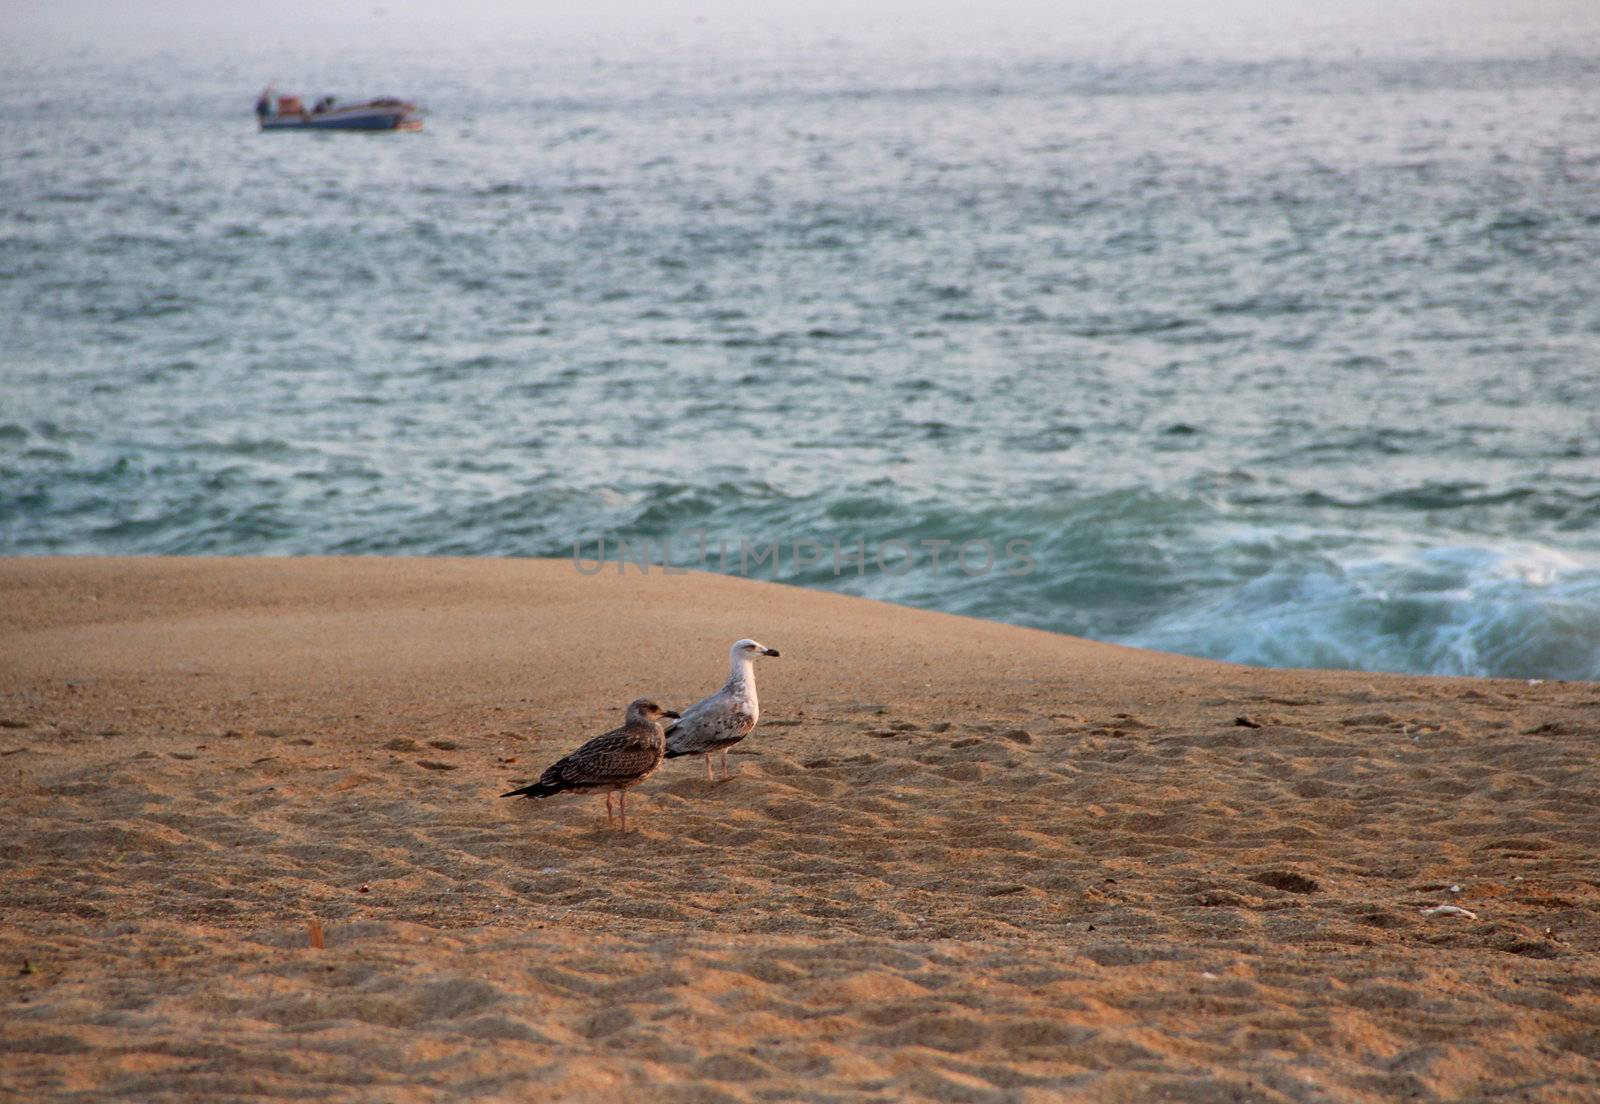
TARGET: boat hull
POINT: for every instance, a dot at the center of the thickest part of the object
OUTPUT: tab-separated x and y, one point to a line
351	118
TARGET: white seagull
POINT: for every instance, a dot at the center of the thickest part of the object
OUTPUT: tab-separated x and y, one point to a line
717	723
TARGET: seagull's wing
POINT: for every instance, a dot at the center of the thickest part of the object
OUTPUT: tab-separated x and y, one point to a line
565	773
726	720
617	756
737	723
686	729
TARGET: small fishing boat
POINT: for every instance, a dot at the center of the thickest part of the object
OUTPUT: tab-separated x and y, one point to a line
282	112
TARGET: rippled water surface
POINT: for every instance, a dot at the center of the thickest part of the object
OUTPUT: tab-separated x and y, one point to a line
1274	338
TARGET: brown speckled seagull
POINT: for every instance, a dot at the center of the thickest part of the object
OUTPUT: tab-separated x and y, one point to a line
616	760
717	723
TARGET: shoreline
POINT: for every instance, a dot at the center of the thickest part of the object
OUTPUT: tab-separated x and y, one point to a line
961	860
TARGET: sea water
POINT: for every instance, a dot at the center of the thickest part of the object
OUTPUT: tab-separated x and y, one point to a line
1260	332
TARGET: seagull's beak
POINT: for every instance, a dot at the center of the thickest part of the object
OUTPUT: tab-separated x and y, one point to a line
773	652
670	713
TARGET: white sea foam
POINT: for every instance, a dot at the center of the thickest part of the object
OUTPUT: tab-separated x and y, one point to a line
1519	610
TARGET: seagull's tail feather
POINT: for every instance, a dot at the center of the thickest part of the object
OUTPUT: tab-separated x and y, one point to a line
540	788
673	753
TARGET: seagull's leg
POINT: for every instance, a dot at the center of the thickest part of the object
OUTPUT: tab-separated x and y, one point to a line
709	777
609	819
725	774
622	797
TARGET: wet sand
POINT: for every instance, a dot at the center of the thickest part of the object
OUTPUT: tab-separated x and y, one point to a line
960	861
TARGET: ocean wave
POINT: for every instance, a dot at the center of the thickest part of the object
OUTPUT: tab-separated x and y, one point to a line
1521	611
1184	571
1189	573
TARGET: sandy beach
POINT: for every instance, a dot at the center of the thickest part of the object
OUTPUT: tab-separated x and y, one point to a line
960	861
